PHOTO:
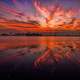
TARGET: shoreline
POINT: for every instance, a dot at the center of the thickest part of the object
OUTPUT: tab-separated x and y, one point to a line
55	33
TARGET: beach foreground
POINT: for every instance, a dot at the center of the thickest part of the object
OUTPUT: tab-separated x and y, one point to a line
39	57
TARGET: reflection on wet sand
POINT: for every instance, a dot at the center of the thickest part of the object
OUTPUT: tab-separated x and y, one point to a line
49	50
57	49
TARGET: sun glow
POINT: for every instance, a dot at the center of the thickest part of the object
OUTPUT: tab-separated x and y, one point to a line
52	17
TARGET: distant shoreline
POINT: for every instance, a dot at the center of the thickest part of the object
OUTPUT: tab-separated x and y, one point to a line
56	33
42	35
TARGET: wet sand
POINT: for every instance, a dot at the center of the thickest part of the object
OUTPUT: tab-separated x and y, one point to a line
39	57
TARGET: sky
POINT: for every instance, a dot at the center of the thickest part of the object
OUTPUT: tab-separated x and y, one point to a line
18	8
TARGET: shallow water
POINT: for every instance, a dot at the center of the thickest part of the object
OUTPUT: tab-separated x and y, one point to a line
22	54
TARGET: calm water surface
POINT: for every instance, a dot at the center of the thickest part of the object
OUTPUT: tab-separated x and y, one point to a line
23	54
